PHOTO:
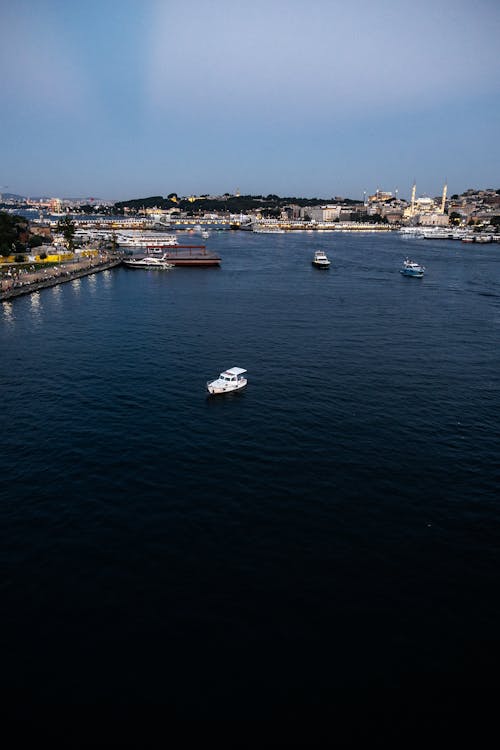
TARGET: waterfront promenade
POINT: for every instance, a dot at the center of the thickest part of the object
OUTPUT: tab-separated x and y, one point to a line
27	282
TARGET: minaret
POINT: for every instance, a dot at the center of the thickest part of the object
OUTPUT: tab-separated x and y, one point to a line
413	194
443	202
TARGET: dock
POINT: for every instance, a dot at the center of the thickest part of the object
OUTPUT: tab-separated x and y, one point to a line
187	255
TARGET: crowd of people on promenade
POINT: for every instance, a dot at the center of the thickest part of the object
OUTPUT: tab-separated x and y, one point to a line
28	275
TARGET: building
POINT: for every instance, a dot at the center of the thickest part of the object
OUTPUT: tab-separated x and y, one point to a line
322	213
425	210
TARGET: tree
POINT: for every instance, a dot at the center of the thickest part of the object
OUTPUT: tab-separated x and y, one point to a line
455	218
35	240
67	228
12	230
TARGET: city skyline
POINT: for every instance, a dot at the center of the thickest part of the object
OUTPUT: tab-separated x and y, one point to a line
127	100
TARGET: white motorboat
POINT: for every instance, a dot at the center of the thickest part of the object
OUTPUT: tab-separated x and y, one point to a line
149	263
320	259
229	380
410	268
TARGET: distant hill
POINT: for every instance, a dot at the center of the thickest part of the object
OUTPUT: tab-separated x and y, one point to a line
12	197
232	203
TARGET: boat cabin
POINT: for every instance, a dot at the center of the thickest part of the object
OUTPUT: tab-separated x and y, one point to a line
229	380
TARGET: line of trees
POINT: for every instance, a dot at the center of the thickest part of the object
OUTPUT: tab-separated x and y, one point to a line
15	236
231	203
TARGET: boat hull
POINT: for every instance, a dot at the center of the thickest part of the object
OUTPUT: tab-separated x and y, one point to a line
413	274
218	391
146	267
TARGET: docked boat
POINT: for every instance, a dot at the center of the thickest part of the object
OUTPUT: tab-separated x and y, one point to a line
320	259
144	239
261	228
149	263
229	380
437	233
410	268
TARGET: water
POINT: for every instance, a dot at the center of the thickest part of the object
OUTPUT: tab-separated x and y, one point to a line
334	527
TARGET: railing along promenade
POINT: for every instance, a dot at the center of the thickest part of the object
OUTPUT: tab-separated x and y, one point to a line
27	283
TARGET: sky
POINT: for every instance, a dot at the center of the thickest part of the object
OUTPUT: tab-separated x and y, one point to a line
122	99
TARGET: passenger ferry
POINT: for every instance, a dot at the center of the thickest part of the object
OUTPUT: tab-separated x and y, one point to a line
141	239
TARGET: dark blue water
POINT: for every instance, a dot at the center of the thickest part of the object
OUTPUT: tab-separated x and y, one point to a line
335	527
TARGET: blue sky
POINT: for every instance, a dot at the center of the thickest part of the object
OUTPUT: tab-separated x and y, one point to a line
121	99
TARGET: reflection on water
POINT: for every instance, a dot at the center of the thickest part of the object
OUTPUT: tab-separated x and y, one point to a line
7	310
106	276
92	280
76	285
36	307
56	294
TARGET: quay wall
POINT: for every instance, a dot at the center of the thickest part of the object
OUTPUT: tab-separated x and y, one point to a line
11	289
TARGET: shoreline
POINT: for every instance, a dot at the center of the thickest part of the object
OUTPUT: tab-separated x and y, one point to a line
35	286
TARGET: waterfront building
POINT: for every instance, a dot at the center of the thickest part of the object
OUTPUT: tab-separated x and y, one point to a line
322	213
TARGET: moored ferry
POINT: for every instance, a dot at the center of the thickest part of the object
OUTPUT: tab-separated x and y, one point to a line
142	239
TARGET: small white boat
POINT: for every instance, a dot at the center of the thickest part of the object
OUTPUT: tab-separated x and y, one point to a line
149	263
410	268
321	259
229	380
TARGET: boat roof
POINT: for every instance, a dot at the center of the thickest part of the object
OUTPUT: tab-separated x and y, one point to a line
234	371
